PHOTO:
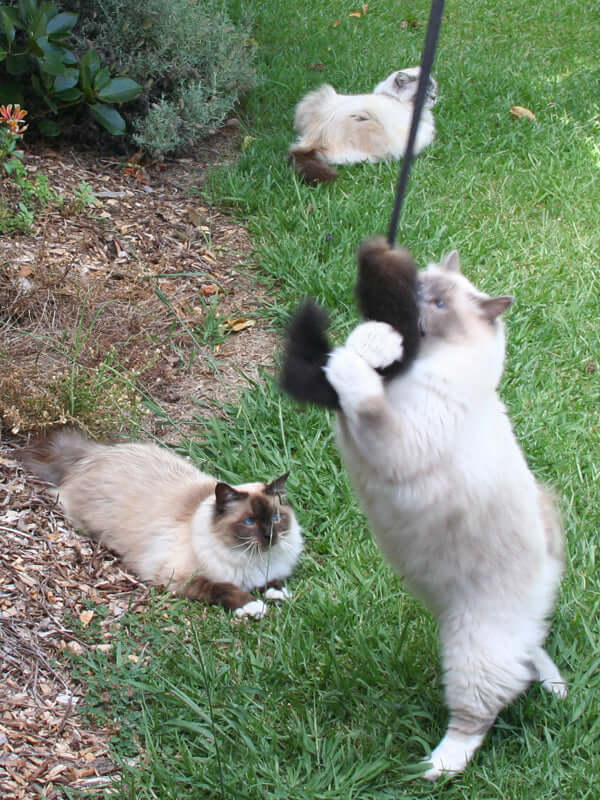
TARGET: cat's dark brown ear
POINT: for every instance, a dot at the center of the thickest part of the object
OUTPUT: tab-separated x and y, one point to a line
277	486
452	262
226	496
492	307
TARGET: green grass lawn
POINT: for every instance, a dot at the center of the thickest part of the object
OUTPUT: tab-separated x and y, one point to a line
337	693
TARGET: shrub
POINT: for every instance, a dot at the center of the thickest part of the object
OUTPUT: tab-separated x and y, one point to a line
39	67
193	62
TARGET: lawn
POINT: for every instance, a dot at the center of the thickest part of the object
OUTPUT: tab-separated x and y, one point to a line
336	694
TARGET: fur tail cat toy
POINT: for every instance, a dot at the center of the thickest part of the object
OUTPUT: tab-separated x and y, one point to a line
386	292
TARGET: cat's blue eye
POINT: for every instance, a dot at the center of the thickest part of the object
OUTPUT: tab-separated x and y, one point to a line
249	521
439	303
275	516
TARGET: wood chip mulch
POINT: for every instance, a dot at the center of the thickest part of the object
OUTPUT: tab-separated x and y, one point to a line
48	574
146	279
133	281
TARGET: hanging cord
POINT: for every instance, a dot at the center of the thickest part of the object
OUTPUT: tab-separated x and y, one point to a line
433	29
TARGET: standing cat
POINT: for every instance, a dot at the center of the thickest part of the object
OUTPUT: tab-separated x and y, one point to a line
451	501
171	523
345	129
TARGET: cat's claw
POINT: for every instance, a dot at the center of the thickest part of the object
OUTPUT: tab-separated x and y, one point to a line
255	608
277	594
377	342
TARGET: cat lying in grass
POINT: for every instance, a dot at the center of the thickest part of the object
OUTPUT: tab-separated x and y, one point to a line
345	129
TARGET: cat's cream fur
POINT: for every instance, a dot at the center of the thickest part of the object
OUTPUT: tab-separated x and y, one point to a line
171	523
344	129
451	500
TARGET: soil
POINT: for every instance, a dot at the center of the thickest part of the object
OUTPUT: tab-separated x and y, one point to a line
128	307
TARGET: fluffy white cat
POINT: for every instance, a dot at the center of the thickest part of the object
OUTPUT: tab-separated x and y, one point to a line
451	500
344	129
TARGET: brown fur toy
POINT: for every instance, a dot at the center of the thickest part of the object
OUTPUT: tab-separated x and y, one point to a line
386	291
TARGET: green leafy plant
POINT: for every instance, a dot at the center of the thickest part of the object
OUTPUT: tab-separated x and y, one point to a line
26	196
39	65
193	60
84	196
23	194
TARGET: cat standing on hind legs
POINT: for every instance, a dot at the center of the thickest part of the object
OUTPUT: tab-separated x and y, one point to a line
451	500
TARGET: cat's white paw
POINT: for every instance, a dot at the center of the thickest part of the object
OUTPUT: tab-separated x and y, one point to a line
452	754
439	768
277	594
353	379
377	342
255	608
557	687
549	674
435	773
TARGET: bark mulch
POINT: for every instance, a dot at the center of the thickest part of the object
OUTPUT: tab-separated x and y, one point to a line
130	286
48	576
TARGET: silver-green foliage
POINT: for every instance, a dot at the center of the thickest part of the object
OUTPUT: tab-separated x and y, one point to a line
193	61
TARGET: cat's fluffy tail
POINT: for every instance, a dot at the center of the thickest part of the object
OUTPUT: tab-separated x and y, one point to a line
311	166
306	353
54	456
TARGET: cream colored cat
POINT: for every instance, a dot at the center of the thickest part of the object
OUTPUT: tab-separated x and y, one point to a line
173	524
345	129
451	500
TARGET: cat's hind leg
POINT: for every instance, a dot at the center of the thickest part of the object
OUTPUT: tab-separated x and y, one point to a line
548	673
486	668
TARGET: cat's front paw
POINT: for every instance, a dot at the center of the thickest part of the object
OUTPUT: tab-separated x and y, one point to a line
255	608
277	594
353	379
377	342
